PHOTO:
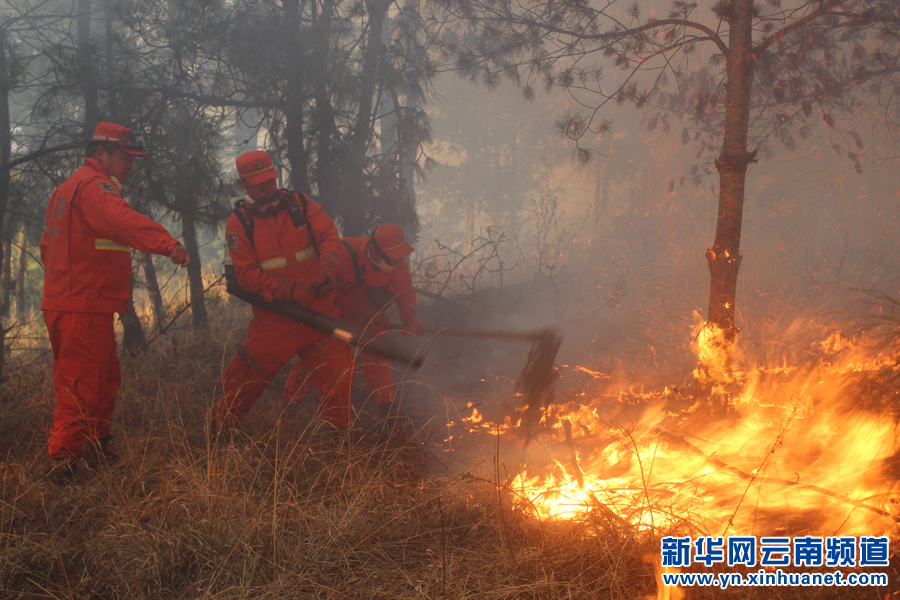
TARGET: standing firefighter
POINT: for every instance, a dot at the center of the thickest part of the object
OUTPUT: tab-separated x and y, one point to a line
282	246
372	275
86	251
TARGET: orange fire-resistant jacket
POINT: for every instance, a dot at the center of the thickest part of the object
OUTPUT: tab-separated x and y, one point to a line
281	253
358	276
86	248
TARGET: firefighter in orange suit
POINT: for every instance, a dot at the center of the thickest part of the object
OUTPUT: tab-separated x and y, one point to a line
282	246
86	251
372	275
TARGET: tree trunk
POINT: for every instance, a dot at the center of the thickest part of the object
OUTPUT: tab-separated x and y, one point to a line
5	131
5	152
387	108
294	105
159	311
600	207
371	71
195	270
399	143
323	111
377	10
6	281
513	224
3	332
85	65
133	338
112	100
247	121
633	208
470	224
185	194
409	152
724	258
469	191
21	270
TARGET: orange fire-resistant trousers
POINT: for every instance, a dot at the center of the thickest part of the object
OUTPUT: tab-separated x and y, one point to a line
86	378
270	345
376	369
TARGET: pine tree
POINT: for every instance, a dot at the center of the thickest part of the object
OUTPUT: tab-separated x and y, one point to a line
771	72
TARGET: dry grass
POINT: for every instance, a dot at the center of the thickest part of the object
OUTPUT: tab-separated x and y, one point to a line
281	511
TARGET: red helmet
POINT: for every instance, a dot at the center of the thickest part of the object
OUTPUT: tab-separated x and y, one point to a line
389	242
255	167
128	142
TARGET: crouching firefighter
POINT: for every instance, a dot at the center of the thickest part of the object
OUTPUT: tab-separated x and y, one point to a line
372	275
281	245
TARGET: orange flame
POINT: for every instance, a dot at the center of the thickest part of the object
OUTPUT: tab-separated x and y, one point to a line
794	453
663	592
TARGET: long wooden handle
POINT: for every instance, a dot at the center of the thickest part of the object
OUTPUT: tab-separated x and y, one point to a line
343	332
514	336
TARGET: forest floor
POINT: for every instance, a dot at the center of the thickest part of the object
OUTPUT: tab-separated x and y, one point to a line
283	509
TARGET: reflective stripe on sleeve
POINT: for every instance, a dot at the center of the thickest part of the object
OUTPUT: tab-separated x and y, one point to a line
304	254
109	245
273	263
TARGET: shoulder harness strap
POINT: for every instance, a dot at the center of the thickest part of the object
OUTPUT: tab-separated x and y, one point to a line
243	215
297	208
354	258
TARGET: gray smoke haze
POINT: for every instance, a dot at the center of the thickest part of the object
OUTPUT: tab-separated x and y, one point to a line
623	272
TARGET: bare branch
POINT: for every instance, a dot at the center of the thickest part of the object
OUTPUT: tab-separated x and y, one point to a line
796	25
712	35
39	153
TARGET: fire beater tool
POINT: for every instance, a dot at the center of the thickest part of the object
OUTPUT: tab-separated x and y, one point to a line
539	372
330	326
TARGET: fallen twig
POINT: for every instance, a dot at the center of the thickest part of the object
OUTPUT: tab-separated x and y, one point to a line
165	328
579	475
437	297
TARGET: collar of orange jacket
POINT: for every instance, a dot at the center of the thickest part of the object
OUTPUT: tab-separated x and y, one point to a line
95	165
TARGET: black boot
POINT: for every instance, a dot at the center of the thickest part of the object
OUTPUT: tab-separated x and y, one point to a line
389	423
98	454
384	411
63	471
106	450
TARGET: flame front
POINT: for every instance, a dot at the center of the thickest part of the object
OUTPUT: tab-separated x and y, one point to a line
798	450
664	592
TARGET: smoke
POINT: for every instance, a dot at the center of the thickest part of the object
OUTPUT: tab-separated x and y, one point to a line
613	253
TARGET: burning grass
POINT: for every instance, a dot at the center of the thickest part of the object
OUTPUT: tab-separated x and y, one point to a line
803	449
284	510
